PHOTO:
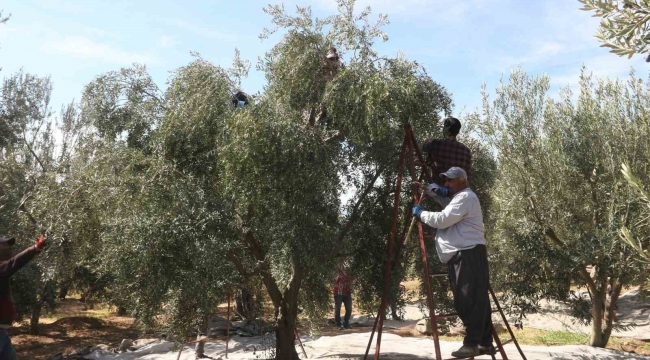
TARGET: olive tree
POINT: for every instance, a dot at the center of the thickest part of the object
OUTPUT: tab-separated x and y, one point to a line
625	25
560	199
636	234
190	180
29	190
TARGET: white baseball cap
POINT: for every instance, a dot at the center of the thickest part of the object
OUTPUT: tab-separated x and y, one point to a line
454	172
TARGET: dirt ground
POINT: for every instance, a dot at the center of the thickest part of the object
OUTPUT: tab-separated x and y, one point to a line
73	326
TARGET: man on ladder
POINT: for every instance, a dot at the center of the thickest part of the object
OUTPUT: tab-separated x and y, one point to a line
448	152
460	243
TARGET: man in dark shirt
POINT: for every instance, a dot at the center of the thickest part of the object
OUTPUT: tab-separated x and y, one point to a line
443	154
9	265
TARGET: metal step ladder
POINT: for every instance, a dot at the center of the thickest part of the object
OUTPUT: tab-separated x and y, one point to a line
411	149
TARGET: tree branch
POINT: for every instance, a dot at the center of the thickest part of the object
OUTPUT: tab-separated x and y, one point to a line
354	216
268	280
29	215
33	153
298	274
240	266
340	135
247	235
256	251
582	268
610	306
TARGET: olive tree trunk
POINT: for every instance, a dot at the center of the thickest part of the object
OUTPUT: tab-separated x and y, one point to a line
35	318
285	346
287	305
246	304
603	312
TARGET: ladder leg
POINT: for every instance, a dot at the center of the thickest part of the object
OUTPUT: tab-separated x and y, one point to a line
380	327
389	255
300	342
372	334
430	302
499	344
425	263
505	321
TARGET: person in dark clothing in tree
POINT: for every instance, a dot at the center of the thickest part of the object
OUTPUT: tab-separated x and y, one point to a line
316	114
331	64
239	99
343	295
443	154
9	264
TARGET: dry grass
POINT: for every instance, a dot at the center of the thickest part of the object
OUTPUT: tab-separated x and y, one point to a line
412	285
75	308
406	332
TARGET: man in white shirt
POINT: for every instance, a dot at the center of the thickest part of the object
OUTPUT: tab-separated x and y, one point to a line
460	243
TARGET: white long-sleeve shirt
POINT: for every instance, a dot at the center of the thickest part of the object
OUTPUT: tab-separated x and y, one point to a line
459	224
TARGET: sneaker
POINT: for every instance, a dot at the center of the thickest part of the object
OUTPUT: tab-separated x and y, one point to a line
466	351
347	326
340	327
487	350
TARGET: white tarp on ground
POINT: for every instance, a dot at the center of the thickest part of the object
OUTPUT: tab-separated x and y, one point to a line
632	310
353	346
553	315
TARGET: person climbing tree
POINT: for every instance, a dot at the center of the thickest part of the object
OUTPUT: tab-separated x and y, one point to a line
317	115
239	99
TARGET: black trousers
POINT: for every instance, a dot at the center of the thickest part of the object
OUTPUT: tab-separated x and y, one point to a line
347	302
469	277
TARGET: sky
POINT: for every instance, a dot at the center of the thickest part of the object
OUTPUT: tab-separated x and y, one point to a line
462	43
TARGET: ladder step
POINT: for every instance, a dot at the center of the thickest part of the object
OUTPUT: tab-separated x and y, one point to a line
507	342
429	236
439	274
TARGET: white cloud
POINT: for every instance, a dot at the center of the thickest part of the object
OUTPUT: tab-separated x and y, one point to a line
549	49
102	33
85	48
563	35
567	23
607	65
7	32
540	52
166	41
438	10
71	7
200	30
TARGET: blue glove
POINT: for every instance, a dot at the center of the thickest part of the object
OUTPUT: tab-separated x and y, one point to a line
441	191
434	189
417	210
